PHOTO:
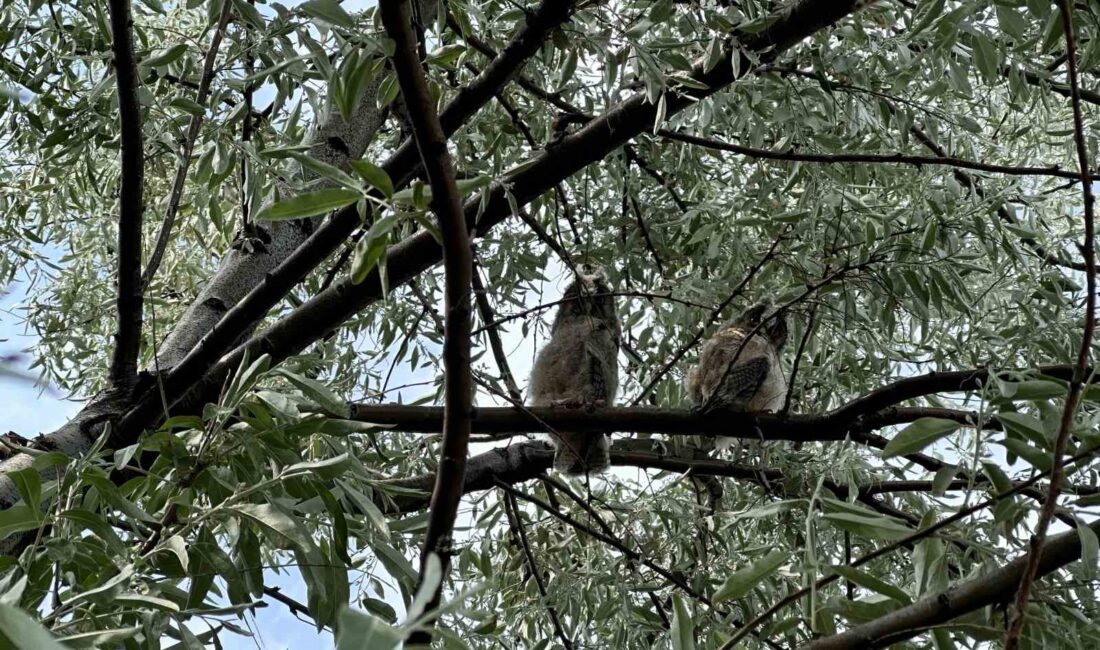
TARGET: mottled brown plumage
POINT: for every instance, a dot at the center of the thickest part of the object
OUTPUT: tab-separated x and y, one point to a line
579	366
738	374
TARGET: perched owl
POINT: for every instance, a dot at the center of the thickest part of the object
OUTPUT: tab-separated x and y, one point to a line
751	380
579	366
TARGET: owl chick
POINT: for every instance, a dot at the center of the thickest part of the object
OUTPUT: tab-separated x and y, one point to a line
579	366
742	375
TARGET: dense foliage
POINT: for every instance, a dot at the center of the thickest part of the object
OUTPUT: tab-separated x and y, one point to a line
890	265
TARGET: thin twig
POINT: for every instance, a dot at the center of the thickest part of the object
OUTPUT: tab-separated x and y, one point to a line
1088	251
188	147
485	312
510	503
792	155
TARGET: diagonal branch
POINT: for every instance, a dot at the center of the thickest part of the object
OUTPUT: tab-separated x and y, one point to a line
890	548
457	268
326	239
1076	384
129	300
954	602
189	139
511	505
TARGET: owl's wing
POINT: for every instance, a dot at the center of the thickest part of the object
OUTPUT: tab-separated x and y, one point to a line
744	379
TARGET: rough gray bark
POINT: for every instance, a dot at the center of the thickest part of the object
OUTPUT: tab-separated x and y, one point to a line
336	141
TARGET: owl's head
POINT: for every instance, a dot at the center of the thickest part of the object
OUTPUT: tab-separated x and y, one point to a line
771	323
589	293
591	280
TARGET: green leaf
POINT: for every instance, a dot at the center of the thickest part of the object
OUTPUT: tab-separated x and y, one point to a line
19	518
1090	549
188	105
872	527
361	631
98	525
1025	426
944	477
29	484
375	176
21	632
741	582
326	469
309	205
106	590
986	58
147	601
279	525
446	55
329	11
1031	389
429	583
869	581
1035	457
100	638
683	627
918	435
166	56
318	392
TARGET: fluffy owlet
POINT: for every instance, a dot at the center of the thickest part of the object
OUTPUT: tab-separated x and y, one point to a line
579	366
751	380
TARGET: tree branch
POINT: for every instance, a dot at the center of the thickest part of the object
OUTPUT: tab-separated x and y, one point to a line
132	181
193	126
326	239
457	269
792	155
1076	384
954	602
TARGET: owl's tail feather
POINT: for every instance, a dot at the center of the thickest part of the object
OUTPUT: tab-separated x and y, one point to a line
568	457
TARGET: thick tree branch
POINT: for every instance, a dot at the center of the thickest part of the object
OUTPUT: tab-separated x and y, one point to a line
132	183
956	601
457	268
327	310
326	239
1076	385
506	420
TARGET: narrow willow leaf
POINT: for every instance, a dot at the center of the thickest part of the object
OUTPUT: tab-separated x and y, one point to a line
318	392
872	527
741	582
375	176
359	631
918	435
329	11
309	205
275	521
1090	549
683	627
869	581
21	632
